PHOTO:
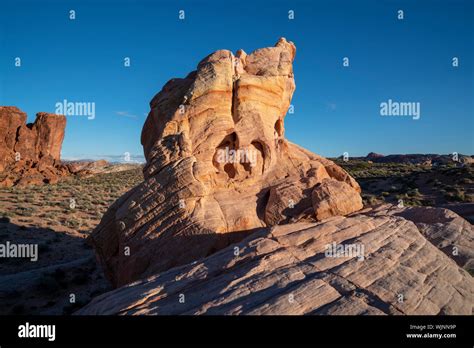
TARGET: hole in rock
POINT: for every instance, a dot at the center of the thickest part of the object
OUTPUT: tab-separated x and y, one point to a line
260	156
230	170
224	155
259	147
230	141
247	166
279	127
262	201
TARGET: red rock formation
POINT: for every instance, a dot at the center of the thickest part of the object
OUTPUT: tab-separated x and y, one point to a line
372	155
218	167
30	153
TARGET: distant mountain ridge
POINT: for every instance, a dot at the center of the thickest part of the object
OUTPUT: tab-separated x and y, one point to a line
433	159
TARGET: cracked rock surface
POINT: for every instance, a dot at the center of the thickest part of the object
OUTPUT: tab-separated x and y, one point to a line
284	269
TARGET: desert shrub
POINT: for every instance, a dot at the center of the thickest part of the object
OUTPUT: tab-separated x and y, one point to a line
5	216
466	181
457	196
413	192
468	198
428	202
449	188
369	199
25	211
72	223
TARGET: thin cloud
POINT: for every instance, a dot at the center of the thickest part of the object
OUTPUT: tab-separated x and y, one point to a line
125	114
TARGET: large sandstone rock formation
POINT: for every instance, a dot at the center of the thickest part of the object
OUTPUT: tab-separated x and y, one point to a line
301	243
30	153
286	269
218	168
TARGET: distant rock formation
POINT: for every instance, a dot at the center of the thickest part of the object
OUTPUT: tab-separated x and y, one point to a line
30	153
372	155
85	166
286	269
88	168
218	168
420	159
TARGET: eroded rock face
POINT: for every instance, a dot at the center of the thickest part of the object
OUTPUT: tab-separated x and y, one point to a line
332	197
286	269
30	153
446	230
218	166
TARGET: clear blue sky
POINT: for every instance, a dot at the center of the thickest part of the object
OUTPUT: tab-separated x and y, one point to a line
336	108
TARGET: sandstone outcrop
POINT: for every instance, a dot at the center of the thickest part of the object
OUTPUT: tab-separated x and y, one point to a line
332	197
30	153
286	269
234	219
218	167
86	167
448	231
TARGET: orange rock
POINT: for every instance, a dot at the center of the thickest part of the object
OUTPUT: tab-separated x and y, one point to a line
218	167
28	151
332	197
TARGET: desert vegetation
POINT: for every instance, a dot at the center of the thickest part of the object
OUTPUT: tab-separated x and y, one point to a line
74	205
56	218
416	185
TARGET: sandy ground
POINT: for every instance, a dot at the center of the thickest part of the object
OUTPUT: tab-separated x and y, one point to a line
57	219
